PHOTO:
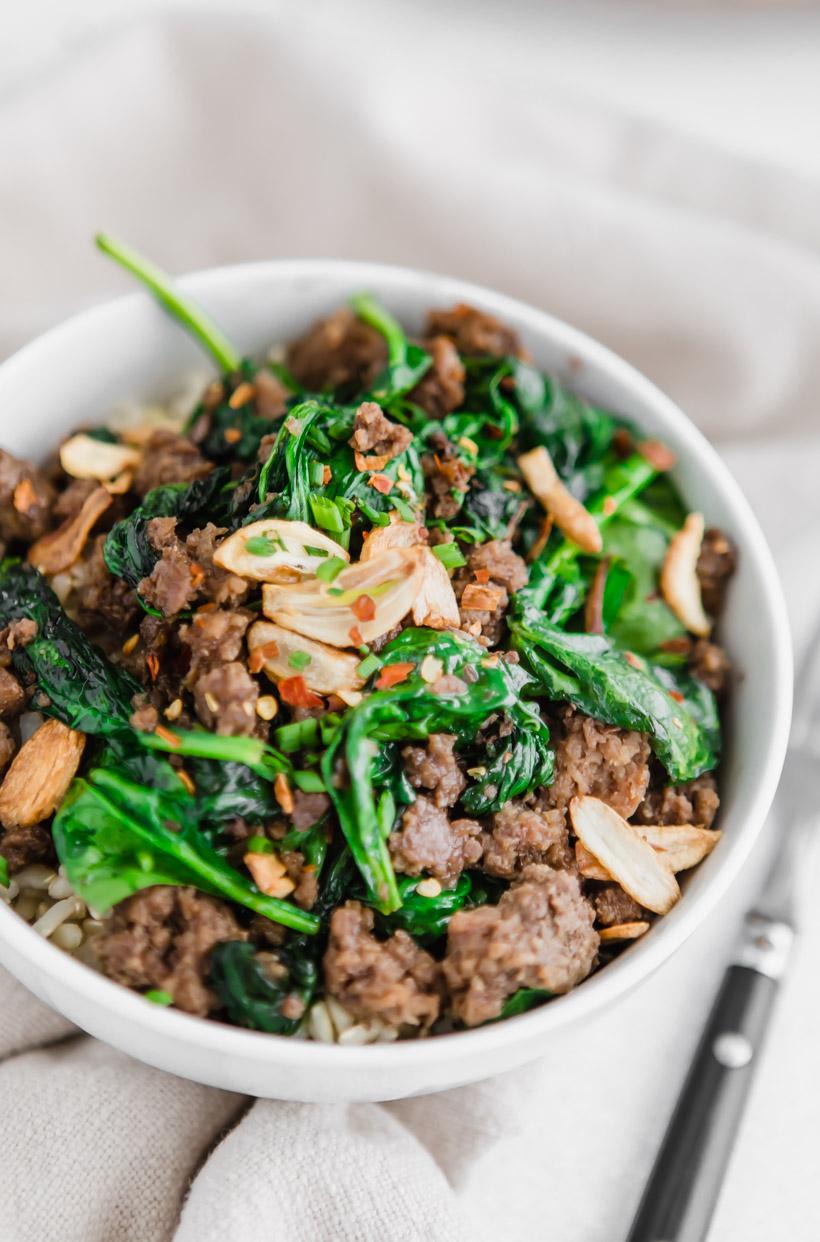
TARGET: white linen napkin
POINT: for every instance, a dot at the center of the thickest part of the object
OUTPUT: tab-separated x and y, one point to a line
215	140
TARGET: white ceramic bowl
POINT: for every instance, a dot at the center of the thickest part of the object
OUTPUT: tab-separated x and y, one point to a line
129	348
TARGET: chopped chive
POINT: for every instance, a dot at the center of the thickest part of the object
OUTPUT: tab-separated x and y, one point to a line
260	545
158	996
327	514
330	568
449	554
320	552
317	474
4	872
299	660
369	665
258	845
309	782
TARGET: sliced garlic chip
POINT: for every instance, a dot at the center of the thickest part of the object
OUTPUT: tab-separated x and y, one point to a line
363	602
59	549
680	585
681	846
83	457
398	534
436	604
262	550
624	931
40	774
622	852
327	671
569	514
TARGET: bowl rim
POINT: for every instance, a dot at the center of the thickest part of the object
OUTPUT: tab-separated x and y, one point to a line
631	967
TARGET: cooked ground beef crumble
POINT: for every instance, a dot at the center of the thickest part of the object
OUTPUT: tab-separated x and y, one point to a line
471	813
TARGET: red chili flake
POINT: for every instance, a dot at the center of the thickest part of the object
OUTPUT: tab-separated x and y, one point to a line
167	736
260	656
282	790
381	483
232	435
657	454
294	691
197	575
482	576
392	674
632	659
678	646
355	636
152	660
363	608
327	475
676	695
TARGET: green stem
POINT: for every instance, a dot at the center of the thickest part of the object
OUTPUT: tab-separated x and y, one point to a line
184	311
371	312
252	752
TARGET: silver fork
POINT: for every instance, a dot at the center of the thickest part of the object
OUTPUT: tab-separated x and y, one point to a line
683	1188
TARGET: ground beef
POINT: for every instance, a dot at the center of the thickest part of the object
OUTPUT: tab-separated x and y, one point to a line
375	436
392	980
12	695
598	759
429	841
716	564
168	458
7	745
520	835
172	584
162	937
540	935
434	767
271	395
225	699
495	566
447	477
100	603
19	633
26	499
696	802
308	808
144	716
218	585
710	664
473	331
442	388
214	638
613	906
21	846
340	352
304	876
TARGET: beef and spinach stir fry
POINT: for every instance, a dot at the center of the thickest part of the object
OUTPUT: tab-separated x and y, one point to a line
375	698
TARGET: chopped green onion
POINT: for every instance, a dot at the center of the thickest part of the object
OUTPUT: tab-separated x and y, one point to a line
260	545
317	473
320	552
4	872
326	514
368	666
403	509
258	845
299	660
309	782
297	735
449	554
158	996
329	569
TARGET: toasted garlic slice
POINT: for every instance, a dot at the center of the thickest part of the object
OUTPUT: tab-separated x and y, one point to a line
269	874
263	549
569	514
58	550
624	931
681	846
333	612
83	457
680	585
588	865
436	604
398	534
328	671
622	852
40	774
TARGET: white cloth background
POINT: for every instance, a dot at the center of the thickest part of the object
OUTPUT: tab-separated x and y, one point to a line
213	140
